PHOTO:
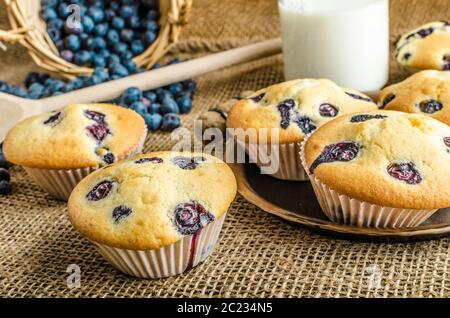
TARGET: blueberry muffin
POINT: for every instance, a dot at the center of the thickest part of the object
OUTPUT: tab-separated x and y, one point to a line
426	92
380	168
58	149
426	47
157	214
283	114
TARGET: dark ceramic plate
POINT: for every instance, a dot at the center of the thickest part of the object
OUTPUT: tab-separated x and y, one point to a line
296	202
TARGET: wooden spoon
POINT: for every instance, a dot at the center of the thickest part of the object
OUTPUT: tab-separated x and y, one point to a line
13	109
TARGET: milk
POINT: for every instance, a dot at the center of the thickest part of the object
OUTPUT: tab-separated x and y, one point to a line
346	41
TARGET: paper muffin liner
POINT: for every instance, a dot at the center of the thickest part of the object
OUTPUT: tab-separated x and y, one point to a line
170	260
285	158
341	208
60	182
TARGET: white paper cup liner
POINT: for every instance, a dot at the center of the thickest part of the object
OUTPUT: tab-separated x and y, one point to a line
167	261
60	182
340	208
280	161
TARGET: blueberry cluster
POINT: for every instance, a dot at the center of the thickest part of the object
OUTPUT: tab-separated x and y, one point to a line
5	178
106	33
161	107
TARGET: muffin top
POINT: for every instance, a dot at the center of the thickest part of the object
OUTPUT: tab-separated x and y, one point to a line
152	200
426	92
388	158
426	47
294	109
77	136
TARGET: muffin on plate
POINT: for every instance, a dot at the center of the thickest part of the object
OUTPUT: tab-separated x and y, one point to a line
155	215
426	92
271	123
380	168
60	148
426	47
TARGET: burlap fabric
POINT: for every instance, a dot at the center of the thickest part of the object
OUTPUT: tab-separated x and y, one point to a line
259	255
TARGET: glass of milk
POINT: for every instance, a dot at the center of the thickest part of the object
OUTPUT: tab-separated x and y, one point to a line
346	41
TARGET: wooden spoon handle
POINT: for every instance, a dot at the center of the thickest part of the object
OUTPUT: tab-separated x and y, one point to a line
166	75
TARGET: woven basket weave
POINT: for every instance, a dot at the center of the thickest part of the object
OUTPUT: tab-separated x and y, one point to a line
28	29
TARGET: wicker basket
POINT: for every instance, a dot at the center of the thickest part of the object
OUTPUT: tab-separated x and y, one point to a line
29	30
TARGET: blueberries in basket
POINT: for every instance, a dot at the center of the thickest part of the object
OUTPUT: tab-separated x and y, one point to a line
126	11
137	47
83	57
67	55
127	35
49	13
170	122
63	10
118	23
72	42
148	37
88	24
118	69
113	36
130	66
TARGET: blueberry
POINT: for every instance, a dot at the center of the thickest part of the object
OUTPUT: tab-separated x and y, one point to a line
55	23
101	73
72	43
389	98
366	99
109	15
17	91
130	66
98	131
185	104
100	191
134	22
155	108
118	70
170	122
56	86
305	123
113	58
96	14
73	27
169	106
94	80
98	43
284	108
121	212
153	121
101	29
114	5
5	187
49	13
113	36
153	160
54	34
189	85
430	106
77	83
4	87
109	158
151	25
148	38
405	172
174	61
88	24
126	11
127	35
137	47
150	95
98	61
190	217
63	10
53	119
4	175
86	41
258	97
35	91
98	117
104	53
50	3
176	88
67	55
343	151
118	23
328	110
131	95
31	78
83	57
161	93
153	15
139	107
366	117
187	163
120	48
59	44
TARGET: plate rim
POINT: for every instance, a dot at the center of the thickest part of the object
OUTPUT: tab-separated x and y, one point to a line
245	189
